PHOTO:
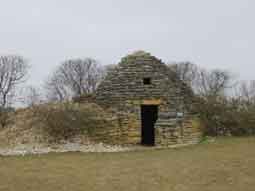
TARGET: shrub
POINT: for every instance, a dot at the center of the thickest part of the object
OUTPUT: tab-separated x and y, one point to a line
223	116
65	120
5	116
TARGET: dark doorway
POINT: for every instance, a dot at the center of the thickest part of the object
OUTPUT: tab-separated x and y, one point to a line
149	115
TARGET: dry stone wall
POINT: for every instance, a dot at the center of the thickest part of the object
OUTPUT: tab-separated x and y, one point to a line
124	91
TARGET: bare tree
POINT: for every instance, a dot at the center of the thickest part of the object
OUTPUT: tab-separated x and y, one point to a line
244	94
13	72
203	82
74	78
212	83
32	96
247	90
211	89
186	71
56	89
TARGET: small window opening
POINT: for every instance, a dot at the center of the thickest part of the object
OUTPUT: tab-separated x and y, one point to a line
147	81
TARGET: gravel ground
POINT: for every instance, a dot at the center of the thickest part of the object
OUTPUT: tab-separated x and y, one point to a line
25	149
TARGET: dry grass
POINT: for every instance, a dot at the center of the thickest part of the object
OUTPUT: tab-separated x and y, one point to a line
227	165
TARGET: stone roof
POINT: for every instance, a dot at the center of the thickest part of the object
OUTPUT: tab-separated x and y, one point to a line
140	53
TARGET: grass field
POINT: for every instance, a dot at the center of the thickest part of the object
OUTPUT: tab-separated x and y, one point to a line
227	165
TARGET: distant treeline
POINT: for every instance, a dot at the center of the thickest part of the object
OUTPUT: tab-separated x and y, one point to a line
226	106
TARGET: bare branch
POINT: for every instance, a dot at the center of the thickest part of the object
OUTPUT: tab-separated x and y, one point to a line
13	71
74	78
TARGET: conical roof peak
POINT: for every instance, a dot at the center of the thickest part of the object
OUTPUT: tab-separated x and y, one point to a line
140	53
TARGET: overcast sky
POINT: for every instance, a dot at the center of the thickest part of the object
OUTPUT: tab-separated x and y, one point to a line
210	33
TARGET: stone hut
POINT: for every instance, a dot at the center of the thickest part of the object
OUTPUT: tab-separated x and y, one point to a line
155	106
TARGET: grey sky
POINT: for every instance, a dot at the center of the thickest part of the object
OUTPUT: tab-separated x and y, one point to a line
211	33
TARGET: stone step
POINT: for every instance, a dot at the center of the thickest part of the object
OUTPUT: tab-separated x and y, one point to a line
167	120
166	123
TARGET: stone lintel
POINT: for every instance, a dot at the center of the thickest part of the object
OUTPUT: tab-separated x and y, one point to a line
145	102
151	102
